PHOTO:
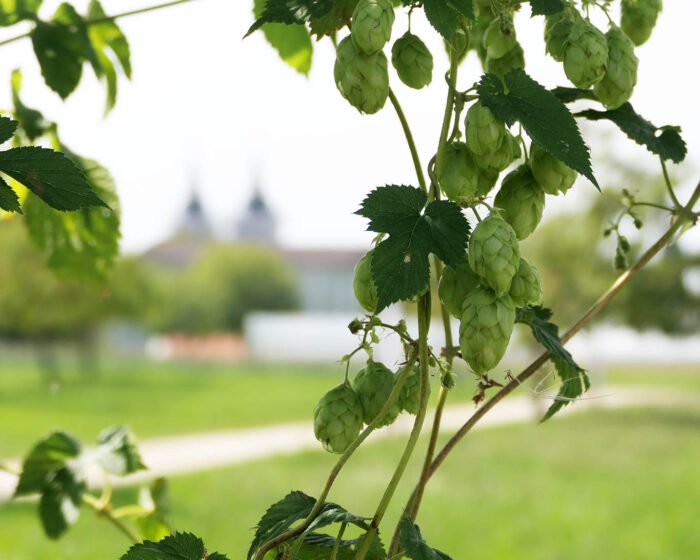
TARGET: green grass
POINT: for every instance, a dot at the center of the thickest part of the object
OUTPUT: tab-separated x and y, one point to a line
673	375
607	484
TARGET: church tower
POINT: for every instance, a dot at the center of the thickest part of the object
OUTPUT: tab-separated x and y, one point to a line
257	224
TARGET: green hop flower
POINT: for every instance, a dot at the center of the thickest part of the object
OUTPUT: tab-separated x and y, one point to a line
457	173
412	60
371	25
526	288
338	418
478	30
617	85
362	284
455	284
639	18
494	253
485	132
515	58
361	79
499	38
410	392
585	55
521	200
556	31
373	385
485	329
503	156
552	174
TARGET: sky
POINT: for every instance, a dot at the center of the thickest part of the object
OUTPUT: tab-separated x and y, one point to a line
210	110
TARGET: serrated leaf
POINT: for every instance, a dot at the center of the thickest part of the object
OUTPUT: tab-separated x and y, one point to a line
292	42
442	16
32	121
387	207
546	7
574	381
117	451
59	506
13	11
464	7
337	18
317	545
571	94
51	176
413	544
543	116
7	129
47	457
9	201
291	12
281	516
180	546
334	513
449	229
664	141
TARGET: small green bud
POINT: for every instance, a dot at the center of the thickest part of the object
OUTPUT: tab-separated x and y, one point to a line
371	24
521	200
363	285
412	61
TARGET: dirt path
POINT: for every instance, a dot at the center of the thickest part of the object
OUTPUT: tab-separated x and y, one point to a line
169	456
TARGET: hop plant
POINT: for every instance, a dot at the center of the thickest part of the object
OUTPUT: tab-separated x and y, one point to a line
478	30
617	85
361	79
363	285
455	284
515	58
585	54
485	328
458	173
371	24
409	399
494	253
503	156
412	61
373	385
459	43
499	38
521	200
552	174
526	288
556	32
338	418
639	18
485	132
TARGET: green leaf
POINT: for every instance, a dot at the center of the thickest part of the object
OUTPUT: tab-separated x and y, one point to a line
317	546
13	11
180	546
571	94
464	7
292	42
155	499
664	141
413	544
7	129
290	12
32	121
46	458
59	506
544	117
8	198
546	7
117	451
281	516
51	176
337	18
574	381
442	16
400	264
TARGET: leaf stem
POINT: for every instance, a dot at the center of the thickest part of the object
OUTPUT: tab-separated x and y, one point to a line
105	510
447	117
409	139
669	186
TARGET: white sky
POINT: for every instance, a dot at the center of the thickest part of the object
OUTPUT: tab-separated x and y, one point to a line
204	102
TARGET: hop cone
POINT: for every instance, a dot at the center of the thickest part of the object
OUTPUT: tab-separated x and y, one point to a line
485	133
499	38
361	79
521	200
617	85
494	253
338	418
585	55
457	173
362	284
410	392
639	18
556	32
485	329
503	156
371	24
526	288
478	30
373	385
515	58
412	60
552	174
455	284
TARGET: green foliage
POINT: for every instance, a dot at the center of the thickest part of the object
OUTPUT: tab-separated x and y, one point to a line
414	545
400	265
154	524
9	201
180	546
32	122
14	11
291	12
445	15
546	7
117	451
292	42
543	116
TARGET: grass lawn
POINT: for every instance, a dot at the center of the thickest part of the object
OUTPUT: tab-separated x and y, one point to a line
607	485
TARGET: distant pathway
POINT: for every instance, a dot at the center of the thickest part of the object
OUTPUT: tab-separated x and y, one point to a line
175	455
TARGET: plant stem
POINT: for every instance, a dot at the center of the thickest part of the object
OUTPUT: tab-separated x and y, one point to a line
321	500
669	186
603	301
105	510
106	18
447	117
336	547
409	138
423	350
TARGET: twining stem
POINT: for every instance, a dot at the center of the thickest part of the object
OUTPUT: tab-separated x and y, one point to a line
321	500
530	370
423	353
104	19
669	186
409	139
105	510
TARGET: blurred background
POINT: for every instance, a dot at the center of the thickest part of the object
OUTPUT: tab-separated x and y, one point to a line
227	310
